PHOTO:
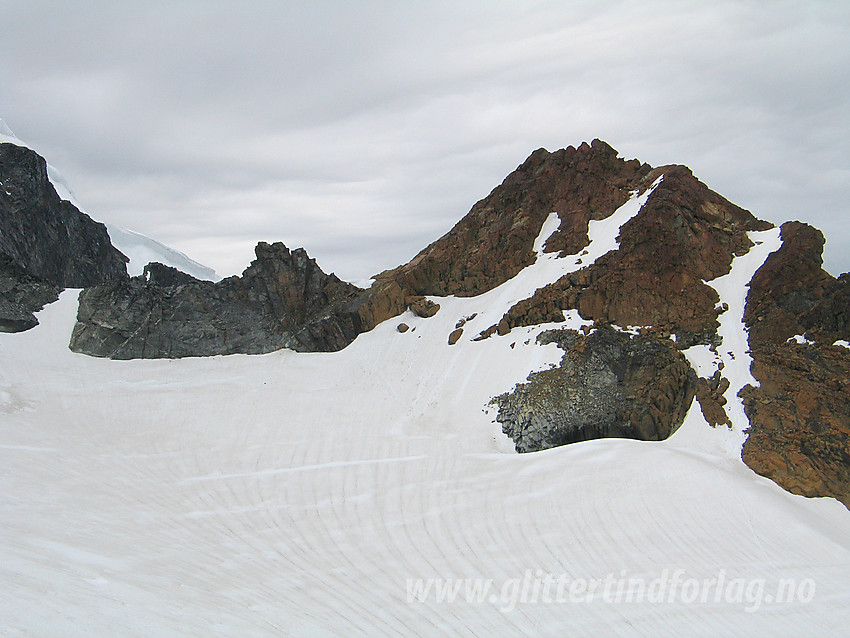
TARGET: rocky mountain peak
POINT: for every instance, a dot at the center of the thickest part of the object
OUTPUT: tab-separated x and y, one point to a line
646	302
494	241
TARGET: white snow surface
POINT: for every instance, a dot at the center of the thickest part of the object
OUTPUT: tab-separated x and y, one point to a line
139	249
295	494
142	250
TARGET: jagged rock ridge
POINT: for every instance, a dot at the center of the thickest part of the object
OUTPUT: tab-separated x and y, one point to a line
282	300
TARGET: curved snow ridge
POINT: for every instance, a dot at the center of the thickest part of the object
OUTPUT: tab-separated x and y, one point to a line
8	137
142	250
489	307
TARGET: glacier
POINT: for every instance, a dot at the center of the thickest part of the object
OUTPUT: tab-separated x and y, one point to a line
299	494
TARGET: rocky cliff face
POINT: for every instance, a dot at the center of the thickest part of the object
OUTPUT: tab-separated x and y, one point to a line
282	300
46	244
45	235
800	414
684	235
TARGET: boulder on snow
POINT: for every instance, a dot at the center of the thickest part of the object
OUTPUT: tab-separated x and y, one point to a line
422	307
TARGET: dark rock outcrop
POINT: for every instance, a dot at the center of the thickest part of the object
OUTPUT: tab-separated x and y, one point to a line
161	275
608	384
21	295
799	415
282	300
47	236
46	244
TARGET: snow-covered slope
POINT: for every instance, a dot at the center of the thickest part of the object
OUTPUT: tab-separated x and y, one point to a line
138	248
316	495
142	250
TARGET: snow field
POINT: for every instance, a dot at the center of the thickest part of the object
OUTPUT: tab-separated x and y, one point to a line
295	494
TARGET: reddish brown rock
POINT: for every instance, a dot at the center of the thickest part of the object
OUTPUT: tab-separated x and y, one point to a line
711	400
791	293
799	432
384	300
455	336
799	416
684	234
422	307
495	240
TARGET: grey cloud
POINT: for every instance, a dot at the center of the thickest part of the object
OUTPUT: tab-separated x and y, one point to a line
365	130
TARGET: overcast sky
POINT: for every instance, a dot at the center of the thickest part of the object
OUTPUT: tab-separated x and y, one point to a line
364	130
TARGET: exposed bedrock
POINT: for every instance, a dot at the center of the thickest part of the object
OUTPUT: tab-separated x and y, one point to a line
799	415
495	240
46	236
46	244
608	384
684	234
21	295
282	300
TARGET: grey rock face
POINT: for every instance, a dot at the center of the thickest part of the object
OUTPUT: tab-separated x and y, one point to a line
608	384
46	244
282	300
46	236
21	295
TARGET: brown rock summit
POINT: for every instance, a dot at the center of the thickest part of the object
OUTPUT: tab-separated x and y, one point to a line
494	241
684	234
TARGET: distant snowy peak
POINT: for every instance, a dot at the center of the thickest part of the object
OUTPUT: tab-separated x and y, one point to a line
6	135
142	250
139	249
